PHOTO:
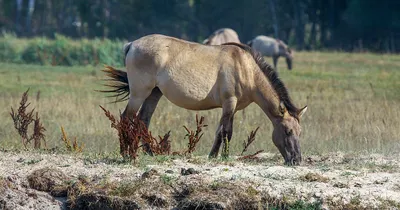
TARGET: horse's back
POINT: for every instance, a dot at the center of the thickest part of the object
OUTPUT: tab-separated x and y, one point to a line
224	35
267	46
189	74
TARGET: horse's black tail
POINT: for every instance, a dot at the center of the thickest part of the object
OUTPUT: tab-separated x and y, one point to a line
119	83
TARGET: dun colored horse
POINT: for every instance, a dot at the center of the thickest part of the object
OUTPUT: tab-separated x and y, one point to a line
221	36
200	77
274	48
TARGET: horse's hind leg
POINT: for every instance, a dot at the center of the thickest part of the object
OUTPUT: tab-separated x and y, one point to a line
225	128
147	110
149	106
136	99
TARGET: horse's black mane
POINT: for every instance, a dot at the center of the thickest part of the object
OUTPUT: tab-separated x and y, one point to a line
272	76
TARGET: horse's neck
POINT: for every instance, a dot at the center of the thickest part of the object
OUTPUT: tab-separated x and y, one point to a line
282	52
266	97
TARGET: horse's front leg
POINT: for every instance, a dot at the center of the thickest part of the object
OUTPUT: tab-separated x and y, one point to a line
225	128
275	59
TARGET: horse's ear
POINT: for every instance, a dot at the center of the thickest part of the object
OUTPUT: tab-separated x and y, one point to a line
205	41
282	108
302	111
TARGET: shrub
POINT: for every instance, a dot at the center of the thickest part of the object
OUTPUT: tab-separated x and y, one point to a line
8	53
61	51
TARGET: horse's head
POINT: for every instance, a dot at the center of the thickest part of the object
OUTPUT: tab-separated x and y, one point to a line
286	52
286	135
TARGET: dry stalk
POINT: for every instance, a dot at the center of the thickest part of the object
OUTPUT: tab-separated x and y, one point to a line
251	157
194	136
250	139
38	135
22	119
164	145
74	147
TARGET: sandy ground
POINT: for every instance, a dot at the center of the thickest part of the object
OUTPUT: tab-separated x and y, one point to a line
367	181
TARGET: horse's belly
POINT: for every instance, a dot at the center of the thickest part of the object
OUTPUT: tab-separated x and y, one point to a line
187	92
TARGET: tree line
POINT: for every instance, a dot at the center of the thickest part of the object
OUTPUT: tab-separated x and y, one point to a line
350	25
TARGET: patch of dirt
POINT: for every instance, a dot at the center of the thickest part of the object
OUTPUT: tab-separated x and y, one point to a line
31	180
46	179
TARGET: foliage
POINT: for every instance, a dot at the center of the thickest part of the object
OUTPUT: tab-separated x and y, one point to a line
61	51
307	24
7	52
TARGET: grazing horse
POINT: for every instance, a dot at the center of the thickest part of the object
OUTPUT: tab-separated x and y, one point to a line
274	48
221	36
201	77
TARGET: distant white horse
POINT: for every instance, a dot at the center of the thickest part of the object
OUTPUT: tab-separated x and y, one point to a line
221	36
274	48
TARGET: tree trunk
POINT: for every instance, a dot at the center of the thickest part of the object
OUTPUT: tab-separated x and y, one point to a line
106	18
18	17
322	24
313	18
1	10
272	5
332	10
299	24
392	43
31	8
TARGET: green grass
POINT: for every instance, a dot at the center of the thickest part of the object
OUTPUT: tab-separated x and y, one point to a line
352	98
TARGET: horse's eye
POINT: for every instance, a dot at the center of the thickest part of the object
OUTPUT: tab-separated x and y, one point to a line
289	132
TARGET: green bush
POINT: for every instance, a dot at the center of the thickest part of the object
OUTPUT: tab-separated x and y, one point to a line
8	53
61	51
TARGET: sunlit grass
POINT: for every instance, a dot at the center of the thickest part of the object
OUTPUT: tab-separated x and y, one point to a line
353	102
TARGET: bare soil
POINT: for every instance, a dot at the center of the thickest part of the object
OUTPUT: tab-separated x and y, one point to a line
32	180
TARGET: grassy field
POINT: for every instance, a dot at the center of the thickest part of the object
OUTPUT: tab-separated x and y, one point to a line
353	102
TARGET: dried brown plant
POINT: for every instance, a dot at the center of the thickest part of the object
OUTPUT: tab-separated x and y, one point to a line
128	134
194	136
250	139
164	145
23	118
74	147
133	131
38	133
251	157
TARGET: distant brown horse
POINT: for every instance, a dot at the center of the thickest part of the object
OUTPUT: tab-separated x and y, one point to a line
200	77
221	36
274	48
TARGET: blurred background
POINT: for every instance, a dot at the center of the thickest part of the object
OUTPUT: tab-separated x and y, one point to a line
349	25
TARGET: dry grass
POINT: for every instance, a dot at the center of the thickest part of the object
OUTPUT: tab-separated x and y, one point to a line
352	98
313	177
